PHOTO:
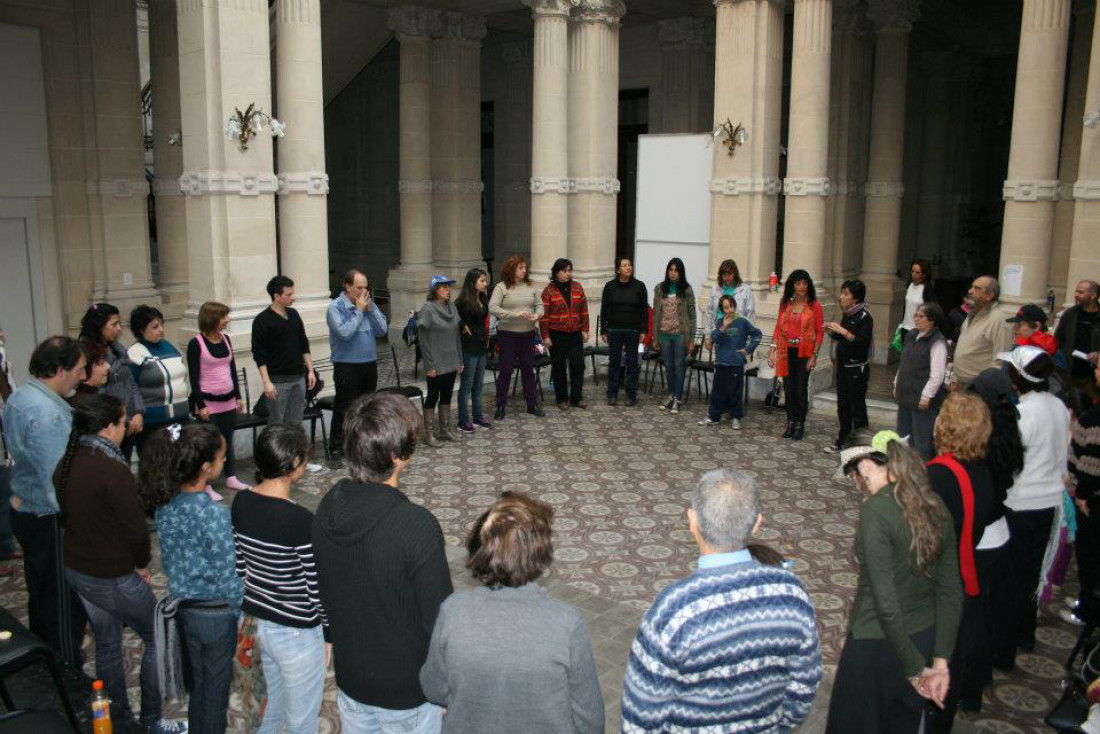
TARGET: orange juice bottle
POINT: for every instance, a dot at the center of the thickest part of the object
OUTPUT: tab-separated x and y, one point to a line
101	709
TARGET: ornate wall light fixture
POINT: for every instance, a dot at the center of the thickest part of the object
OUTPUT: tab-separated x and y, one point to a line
243	125
732	137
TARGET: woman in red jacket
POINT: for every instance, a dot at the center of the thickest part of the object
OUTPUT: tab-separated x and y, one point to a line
564	328
795	344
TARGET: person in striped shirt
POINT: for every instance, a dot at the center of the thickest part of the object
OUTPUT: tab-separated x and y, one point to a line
275	562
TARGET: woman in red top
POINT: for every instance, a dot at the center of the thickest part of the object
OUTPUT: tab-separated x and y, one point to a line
795	343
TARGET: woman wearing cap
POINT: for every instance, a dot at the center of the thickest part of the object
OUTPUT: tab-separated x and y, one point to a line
1029	329
517	307
908	601
438	332
1036	496
919	383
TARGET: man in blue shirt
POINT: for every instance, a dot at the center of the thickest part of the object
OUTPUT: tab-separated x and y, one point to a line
354	323
37	423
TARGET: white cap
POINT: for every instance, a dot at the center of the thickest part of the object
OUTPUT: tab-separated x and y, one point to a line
1021	357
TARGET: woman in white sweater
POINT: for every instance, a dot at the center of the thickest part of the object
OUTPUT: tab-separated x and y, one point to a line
1035	499
517	306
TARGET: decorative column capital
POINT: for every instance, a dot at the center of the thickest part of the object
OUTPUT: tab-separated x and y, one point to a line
1083	7
686	33
518	52
551	8
413	20
848	17
457	26
608	12
893	15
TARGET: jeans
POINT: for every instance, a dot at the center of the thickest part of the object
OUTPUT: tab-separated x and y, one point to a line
796	385
110	604
473	378
289	402
617	343
567	350
226	423
294	667
674	358
851	398
919	424
360	718
517	346
440	389
210	638
725	393
352	379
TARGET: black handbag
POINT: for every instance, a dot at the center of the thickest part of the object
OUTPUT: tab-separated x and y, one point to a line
772	398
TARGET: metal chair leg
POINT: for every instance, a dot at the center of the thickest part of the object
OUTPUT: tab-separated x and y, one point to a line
324	437
595	375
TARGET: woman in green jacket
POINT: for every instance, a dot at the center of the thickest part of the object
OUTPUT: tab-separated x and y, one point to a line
908	602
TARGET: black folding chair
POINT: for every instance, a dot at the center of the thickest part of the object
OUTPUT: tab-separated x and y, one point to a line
699	366
25	648
596	349
249	419
409	391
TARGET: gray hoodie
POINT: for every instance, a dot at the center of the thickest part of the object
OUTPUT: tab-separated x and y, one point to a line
437	328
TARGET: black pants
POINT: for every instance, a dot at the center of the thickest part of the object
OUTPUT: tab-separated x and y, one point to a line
1088	562
46	582
1030	532
797	387
567	348
851	398
352	379
440	388
225	423
617	343
725	392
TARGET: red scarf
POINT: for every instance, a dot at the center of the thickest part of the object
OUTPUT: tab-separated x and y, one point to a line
966	541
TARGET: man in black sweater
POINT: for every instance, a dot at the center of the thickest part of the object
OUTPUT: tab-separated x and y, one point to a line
624	318
854	337
281	351
382	573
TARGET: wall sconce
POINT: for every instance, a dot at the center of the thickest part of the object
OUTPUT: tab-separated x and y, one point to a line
731	136
245	124
175	138
1092	119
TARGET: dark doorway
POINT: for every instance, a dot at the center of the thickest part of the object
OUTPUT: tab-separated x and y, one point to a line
633	121
487	180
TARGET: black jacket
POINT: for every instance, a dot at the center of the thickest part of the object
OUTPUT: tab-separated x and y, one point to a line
624	306
858	350
473	319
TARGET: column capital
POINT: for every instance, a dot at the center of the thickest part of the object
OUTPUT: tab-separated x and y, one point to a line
848	17
893	15
551	8
518	52
413	20
1083	7
687	32
608	12
457	26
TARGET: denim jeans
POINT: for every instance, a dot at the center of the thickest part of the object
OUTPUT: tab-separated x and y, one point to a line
473	377
622	345
725	393
110	604
210	636
360	718
294	667
674	358
289	402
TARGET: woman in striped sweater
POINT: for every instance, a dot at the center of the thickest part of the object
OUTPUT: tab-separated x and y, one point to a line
275	562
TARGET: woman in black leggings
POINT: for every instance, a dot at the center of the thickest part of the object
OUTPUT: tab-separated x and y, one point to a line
438	328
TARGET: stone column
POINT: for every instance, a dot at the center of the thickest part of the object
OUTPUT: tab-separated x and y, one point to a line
408	283
1032	184
512	157
1084	255
224	57
456	144
748	88
550	184
168	158
687	75
593	146
807	184
937	133
892	19
303	183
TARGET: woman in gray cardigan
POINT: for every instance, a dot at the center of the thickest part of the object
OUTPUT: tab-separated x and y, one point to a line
507	652
438	334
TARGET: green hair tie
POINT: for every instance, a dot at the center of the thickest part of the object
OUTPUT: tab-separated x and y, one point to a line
882	439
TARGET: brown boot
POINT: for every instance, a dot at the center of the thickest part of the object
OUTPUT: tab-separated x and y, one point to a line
427	433
445	433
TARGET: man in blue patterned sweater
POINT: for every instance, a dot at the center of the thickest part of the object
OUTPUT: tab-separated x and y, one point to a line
733	647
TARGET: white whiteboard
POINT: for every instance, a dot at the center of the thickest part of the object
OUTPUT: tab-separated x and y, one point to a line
674	174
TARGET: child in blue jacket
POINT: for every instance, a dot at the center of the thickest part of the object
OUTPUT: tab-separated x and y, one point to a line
734	339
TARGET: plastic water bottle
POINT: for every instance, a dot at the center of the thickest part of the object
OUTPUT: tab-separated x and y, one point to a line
101	710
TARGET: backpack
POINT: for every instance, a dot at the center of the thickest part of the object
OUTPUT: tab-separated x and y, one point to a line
408	334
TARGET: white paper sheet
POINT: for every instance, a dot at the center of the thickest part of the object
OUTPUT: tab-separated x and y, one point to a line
1012	279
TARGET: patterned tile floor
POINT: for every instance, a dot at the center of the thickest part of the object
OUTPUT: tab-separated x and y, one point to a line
620	481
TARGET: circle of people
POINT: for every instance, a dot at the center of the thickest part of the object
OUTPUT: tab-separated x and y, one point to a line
973	511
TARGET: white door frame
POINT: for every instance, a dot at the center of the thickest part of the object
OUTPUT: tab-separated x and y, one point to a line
26	208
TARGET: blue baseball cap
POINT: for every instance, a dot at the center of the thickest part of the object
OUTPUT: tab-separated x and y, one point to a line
438	280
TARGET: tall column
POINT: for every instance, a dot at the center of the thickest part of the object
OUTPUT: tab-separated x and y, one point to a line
1032	183
303	183
807	184
1084	255
456	144
748	88
229	193
168	157
937	68
892	19
512	156
550	184
687	75
409	281
593	144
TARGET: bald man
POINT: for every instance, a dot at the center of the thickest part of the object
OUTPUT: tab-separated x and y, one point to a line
1079	331
983	334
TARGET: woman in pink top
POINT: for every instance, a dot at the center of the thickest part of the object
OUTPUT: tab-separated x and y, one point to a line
215	394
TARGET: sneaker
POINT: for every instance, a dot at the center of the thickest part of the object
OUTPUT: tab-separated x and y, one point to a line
1070	618
236	484
466	427
314	468
708	422
667	405
212	494
1070	603
834	449
167	726
675	407
736	424
482	423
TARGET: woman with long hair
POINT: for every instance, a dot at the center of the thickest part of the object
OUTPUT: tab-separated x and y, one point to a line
197	554
918	292
796	341
215	392
729	283
438	332
473	308
674	327
920	382
564	328
905	616
517	306
102	325
107	550
274	548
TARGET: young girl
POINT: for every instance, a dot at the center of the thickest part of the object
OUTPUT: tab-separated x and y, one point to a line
674	324
196	543
473	308
734	339
437	328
